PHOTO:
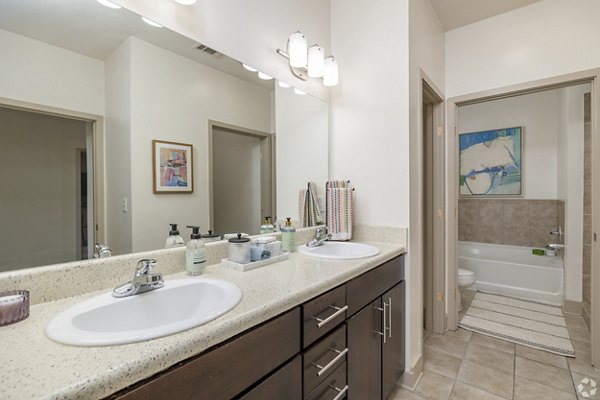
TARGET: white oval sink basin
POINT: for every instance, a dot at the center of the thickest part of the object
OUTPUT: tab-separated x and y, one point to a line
340	250
179	305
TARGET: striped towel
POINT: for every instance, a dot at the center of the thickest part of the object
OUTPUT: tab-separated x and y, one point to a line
340	210
309	210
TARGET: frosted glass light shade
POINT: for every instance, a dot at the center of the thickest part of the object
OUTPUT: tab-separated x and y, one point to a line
249	68
283	84
330	72
151	23
316	61
185	2
109	4
297	50
298	91
264	76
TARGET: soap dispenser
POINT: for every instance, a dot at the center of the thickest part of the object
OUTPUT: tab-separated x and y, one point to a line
195	253
288	236
174	240
267	227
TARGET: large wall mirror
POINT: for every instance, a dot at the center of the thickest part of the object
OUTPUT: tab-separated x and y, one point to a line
84	92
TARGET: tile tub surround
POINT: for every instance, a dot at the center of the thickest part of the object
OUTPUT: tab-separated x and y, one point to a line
515	222
33	366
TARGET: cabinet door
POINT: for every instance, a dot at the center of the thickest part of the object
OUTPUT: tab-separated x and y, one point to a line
393	347
364	353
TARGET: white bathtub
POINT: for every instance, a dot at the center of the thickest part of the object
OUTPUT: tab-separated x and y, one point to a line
513	270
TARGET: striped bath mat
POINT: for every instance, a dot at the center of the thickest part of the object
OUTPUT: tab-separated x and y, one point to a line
529	323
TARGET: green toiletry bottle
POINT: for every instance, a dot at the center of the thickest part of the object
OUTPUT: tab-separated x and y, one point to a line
288	236
195	253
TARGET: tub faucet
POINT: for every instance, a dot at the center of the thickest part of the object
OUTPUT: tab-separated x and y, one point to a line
321	236
144	280
555	246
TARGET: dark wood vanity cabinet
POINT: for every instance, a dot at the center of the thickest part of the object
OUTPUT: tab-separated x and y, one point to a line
345	343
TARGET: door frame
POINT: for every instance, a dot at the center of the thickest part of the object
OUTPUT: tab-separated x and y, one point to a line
591	76
97	131
267	178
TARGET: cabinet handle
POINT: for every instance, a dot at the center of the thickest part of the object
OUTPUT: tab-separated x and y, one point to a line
384	322
340	355
338	311
390	317
341	392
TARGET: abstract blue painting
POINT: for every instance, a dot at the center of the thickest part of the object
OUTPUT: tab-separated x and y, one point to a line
490	163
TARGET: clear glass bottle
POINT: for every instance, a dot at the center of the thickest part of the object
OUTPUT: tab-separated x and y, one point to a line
195	253
174	240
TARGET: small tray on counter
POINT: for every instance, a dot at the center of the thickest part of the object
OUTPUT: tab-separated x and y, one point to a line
256	264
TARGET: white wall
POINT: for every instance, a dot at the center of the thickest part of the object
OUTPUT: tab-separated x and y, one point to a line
570	182
545	39
178	109
248	31
537	114
38	159
118	148
302	129
36	72
426	61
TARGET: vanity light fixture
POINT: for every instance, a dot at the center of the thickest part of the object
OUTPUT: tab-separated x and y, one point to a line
249	68
264	76
109	4
151	23
309	62
186	2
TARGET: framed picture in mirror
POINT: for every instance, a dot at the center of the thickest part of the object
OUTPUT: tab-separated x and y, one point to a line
172	166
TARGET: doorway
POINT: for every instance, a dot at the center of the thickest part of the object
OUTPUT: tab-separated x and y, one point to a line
575	280
433	220
241	174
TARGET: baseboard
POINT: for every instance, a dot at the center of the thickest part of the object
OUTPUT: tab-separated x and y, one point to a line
572	307
410	379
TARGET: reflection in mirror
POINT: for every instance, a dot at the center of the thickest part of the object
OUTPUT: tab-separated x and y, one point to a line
124	83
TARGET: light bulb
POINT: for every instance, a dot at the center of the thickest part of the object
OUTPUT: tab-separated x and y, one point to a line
185	2
283	84
298	91
151	23
109	4
330	72
297	50
249	68
316	61
264	76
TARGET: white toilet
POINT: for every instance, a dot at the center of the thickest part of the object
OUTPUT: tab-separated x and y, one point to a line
466	278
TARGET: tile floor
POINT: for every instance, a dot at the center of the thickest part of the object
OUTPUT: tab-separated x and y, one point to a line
469	366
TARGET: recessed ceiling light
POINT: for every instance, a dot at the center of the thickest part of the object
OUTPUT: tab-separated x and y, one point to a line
249	68
264	76
298	91
283	84
185	2
151	23
109	4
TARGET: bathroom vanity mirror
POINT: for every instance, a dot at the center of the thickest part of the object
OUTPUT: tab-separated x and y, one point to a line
85	89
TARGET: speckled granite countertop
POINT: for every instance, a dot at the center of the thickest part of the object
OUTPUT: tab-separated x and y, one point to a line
34	367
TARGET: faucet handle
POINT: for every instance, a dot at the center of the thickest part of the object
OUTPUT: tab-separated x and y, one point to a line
145	266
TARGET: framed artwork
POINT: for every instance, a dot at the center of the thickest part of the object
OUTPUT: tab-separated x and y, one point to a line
172	166
491	163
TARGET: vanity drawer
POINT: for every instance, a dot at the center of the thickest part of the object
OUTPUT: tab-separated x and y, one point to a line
334	387
324	357
285	383
324	313
370	285
228	370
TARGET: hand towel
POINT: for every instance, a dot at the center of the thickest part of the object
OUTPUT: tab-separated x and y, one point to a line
340	210
309	210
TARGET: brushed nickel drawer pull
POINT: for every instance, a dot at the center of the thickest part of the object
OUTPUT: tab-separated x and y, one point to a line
341	393
338	311
340	355
390	317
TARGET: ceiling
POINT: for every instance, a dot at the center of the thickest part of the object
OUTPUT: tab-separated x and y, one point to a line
91	29
457	13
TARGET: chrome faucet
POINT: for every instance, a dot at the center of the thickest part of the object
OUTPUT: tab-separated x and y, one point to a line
555	246
102	251
321	236
143	280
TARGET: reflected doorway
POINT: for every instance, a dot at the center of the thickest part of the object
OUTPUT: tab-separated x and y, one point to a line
242	178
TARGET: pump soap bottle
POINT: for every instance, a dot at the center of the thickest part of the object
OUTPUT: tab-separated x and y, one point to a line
174	240
267	227
288	236
195	253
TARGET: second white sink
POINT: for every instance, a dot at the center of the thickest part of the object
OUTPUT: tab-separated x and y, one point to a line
340	250
181	304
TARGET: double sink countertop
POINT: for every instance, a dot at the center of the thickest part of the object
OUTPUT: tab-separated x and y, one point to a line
34	367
